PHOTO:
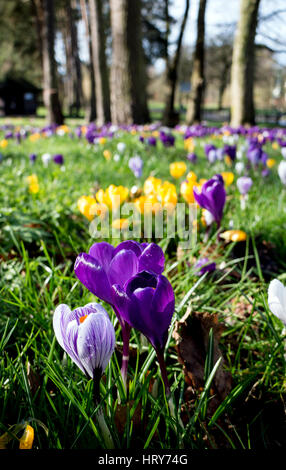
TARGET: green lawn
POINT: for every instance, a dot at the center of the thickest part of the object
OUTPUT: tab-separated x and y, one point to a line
40	237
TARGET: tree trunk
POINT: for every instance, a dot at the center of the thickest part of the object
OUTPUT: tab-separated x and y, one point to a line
171	117
99	62
128	77
75	77
51	97
242	72
198	78
92	105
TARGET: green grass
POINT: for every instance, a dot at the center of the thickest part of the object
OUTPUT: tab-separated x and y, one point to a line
40	237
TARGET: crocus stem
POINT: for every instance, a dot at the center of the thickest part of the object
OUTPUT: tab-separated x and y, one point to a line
125	353
99	414
160	357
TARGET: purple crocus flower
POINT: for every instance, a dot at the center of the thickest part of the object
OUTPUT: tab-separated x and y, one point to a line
203	266
136	165
244	184
147	303
105	265
209	148
87	336
58	159
168	140
33	157
152	141
192	157
230	150
212	197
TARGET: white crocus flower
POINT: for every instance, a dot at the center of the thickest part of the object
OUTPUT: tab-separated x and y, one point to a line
46	158
282	171
239	167
283	151
277	299
121	146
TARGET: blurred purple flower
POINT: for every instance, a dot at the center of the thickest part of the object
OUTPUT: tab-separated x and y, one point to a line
58	159
136	165
244	184
192	157
33	157
152	141
204	266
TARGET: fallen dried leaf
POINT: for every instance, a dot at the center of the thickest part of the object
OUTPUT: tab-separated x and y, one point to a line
192	335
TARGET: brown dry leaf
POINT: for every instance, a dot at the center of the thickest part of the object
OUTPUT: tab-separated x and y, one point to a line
121	416
192	335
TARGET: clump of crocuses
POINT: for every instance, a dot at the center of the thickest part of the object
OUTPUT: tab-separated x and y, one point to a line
129	278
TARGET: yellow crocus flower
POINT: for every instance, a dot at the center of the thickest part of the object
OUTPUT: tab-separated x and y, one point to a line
178	169
228	177
26	441
270	162
151	185
234	236
191	176
187	191
107	154
3	143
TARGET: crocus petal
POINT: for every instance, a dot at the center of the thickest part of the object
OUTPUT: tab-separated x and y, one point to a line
129	245
277	299
103	252
152	259
122	267
96	342
92	275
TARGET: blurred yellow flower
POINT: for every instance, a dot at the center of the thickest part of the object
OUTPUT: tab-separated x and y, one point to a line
275	145
189	144
112	196
234	236
187	191
228	177
191	176
178	169
120	224
33	184
32	179
3	143
270	162
84	205
63	129
151	185
35	137
102	140
34	188
26	441
155	134
228	160
167	193
107	154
